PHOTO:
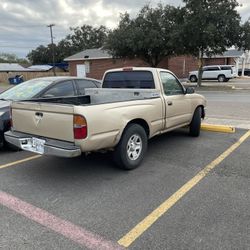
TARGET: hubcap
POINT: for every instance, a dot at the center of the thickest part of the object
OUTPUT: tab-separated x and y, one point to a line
221	78
193	79
134	147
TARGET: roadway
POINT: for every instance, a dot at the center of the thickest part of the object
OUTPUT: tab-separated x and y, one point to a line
231	108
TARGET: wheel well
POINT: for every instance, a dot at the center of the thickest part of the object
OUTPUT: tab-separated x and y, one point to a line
202	111
192	75
221	75
141	122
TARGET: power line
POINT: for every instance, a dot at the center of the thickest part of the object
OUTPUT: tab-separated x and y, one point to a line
21	26
14	47
4	26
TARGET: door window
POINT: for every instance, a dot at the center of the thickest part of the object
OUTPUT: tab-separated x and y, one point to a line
65	88
170	84
211	69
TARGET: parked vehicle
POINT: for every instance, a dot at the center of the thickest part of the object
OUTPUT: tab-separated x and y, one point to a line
149	102
45	87
246	72
232	68
222	73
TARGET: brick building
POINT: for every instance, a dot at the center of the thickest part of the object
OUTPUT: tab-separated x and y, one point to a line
94	62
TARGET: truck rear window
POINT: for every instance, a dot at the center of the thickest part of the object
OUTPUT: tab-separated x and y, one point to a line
129	79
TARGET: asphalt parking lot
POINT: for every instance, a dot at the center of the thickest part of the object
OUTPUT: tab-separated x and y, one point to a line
189	193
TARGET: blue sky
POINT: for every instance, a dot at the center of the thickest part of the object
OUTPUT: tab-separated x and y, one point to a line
23	23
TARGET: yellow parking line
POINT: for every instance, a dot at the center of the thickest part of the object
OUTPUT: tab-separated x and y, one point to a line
217	128
146	223
20	161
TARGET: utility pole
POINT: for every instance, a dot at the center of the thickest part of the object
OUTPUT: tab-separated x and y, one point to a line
52	44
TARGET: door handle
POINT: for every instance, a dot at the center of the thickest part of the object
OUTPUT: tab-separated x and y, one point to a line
39	114
170	103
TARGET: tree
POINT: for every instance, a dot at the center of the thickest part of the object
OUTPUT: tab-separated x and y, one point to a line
12	58
85	37
40	55
148	36
209	28
244	42
43	54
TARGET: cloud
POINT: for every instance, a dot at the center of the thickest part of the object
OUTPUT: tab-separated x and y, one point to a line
244	9
23	23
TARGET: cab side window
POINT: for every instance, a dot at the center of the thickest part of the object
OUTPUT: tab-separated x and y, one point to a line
170	84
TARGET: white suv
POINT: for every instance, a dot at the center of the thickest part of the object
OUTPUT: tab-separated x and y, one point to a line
222	73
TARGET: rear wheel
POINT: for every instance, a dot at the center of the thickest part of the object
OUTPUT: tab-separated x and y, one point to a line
12	147
221	78
193	78
132	147
195	125
1	139
7	145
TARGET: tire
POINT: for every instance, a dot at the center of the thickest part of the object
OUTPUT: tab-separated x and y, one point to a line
195	125
127	155
193	78
221	78
1	139
12	147
5	144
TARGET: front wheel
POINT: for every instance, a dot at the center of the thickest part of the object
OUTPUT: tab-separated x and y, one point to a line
221	78
193	78
195	125
132	147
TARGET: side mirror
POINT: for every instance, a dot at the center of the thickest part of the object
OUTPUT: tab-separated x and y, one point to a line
189	90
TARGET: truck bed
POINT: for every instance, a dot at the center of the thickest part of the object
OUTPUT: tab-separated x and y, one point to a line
102	96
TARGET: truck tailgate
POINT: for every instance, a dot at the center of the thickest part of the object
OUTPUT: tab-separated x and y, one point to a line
44	119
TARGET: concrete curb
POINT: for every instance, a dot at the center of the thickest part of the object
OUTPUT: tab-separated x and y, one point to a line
217	128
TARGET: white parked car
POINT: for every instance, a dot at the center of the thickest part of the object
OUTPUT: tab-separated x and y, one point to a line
222	73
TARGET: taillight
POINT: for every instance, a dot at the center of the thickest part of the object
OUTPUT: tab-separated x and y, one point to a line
80	127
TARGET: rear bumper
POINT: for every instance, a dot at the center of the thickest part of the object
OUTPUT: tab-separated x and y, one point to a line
50	147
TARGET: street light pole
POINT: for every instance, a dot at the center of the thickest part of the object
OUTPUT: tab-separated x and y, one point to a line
52	44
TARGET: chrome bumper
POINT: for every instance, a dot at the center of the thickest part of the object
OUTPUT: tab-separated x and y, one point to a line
50	147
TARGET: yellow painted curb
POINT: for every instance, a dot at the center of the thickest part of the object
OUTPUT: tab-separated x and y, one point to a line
217	128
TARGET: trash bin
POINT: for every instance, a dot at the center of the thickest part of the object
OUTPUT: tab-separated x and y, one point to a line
16	80
12	80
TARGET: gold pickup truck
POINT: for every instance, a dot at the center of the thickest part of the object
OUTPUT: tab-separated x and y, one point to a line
133	105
